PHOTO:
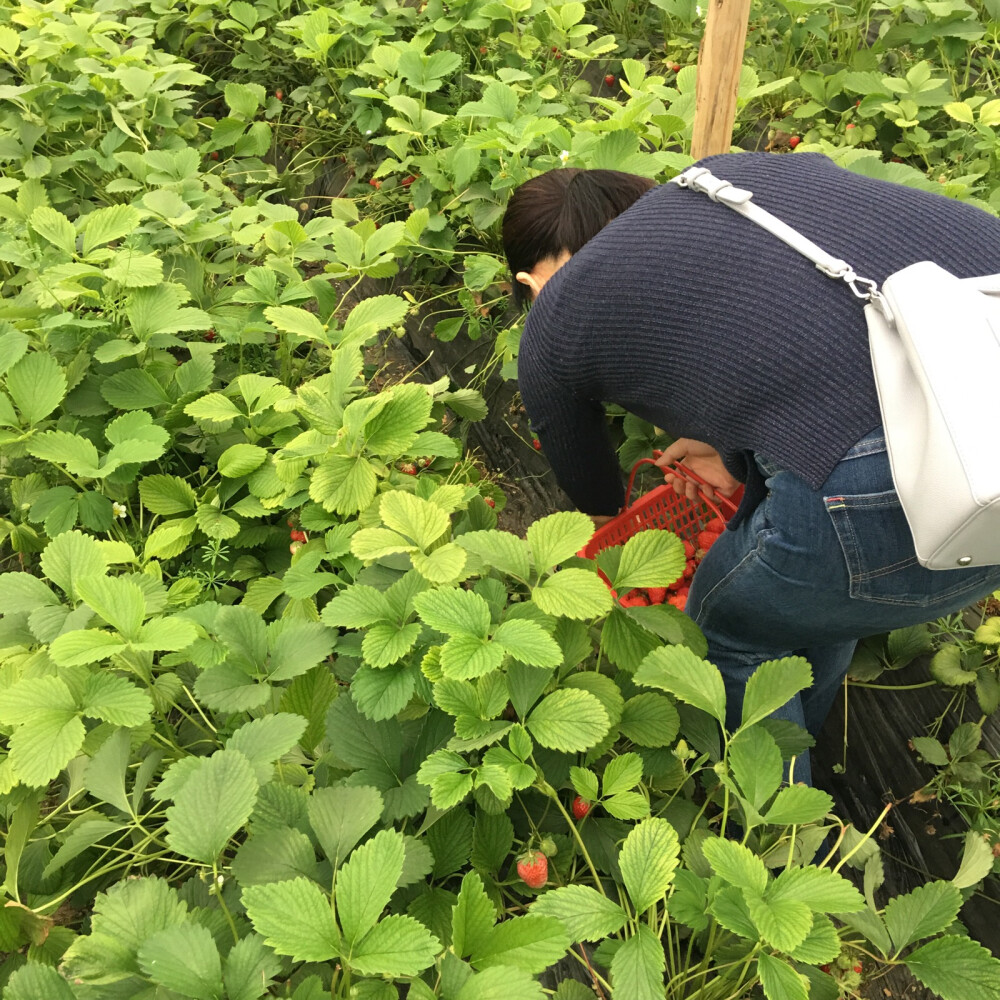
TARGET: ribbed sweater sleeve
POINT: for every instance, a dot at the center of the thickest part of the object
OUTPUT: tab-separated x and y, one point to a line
695	319
573	432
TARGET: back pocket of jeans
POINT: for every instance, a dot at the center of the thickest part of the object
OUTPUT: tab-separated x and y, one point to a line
878	549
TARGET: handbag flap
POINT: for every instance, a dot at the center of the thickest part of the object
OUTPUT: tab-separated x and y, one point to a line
950	331
988	284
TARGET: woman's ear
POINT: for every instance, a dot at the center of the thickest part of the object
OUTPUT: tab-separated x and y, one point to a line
536	278
530	279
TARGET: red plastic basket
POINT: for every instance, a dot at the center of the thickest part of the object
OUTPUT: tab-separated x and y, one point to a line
661	507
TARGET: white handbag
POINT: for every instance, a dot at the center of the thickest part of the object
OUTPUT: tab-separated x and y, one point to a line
935	348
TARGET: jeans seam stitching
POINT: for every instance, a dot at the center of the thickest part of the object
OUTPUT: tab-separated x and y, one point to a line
724	580
891	568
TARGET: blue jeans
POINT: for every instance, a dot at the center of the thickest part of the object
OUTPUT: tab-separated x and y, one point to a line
810	572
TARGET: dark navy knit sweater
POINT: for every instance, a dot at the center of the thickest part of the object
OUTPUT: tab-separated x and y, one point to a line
701	322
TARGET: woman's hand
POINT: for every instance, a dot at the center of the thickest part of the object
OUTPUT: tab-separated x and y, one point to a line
704	461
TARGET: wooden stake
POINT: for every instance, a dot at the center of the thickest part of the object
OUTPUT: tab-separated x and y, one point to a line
719	62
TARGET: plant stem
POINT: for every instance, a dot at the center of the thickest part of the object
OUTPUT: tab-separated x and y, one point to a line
893	687
871	831
217	892
546	789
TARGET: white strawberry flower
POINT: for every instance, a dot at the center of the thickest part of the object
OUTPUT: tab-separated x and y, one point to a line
564	156
119	509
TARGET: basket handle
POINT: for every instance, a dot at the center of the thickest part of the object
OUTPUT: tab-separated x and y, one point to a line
683	472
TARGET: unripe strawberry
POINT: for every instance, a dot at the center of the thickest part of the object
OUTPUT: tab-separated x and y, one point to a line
533	869
279	94
581	807
548	847
294	547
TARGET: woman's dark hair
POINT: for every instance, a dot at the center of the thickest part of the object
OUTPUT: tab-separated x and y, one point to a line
561	210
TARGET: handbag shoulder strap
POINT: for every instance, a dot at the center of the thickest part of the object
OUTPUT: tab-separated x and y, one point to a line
702	179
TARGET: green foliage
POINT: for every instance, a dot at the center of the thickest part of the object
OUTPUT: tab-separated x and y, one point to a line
250	771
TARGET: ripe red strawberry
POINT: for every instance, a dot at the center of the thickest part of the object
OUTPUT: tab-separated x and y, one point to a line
657	595
824	968
298	536
858	968
793	142
409	468
214	154
715	524
533	869
688	550
678	600
558	55
407	181
375	184
280	95
555	48
851	125
706	539
483	50
609	80
489	501
634	599
209	336
676	67
536	444
580	807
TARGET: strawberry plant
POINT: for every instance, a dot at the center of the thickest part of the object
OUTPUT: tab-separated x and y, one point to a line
283	712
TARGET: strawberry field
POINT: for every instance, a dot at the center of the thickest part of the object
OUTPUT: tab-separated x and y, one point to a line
304	689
